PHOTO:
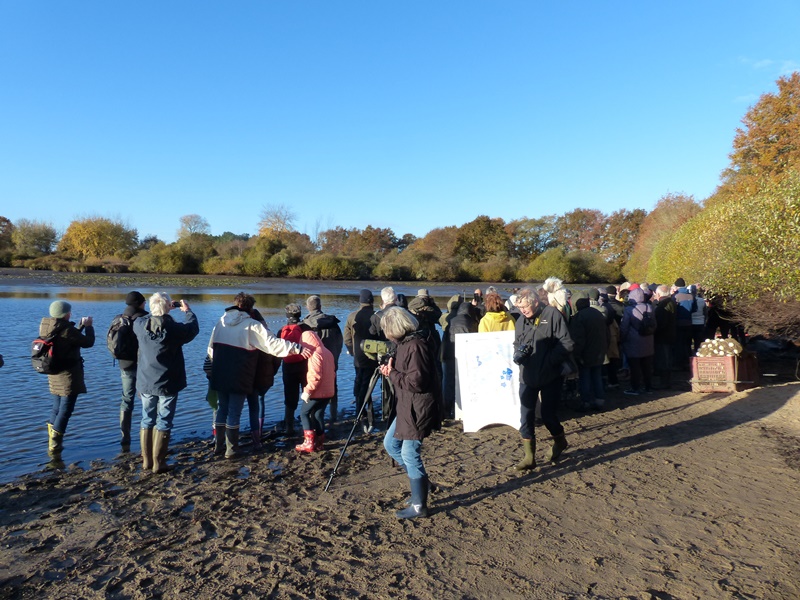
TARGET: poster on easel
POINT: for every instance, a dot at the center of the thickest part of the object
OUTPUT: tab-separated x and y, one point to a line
487	380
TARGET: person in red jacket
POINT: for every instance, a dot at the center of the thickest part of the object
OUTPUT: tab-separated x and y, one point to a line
320	387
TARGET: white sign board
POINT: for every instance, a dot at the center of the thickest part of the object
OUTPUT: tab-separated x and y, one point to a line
487	380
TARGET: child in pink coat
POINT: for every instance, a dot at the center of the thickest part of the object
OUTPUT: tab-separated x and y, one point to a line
320	388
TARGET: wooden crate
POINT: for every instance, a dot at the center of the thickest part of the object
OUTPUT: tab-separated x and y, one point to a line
724	373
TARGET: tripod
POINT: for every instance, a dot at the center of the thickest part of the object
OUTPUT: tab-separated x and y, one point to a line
376	376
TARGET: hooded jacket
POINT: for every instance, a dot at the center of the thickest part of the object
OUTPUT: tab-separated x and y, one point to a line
496	321
234	349
321	374
589	331
357	328
161	370
329	332
67	347
635	344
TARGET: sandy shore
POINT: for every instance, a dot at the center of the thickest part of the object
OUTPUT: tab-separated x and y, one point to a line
670	496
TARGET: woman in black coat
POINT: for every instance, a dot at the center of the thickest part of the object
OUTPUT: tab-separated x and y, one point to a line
417	388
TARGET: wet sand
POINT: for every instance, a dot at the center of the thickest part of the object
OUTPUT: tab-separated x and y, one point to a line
667	496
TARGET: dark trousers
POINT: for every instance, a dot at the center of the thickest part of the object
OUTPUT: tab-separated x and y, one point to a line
641	371
312	415
683	347
294	379
662	364
551	396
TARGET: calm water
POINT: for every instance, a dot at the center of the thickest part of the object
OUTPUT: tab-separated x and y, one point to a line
93	431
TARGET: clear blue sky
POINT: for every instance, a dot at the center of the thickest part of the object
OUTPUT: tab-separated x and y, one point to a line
410	115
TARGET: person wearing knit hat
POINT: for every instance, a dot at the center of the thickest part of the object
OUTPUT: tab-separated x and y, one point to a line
294	367
68	383
357	329
125	349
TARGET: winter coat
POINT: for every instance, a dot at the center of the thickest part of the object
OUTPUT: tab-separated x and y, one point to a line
546	332
133	313
67	347
356	328
463	322
589	332
496	321
161	370
685	303
328	330
665	310
417	389
447	349
234	348
634	344
292	332
426	312
321	374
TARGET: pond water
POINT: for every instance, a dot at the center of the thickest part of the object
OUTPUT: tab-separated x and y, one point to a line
93	431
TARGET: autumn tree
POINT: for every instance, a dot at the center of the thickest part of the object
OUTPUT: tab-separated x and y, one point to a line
531	237
620	234
769	143
34	238
670	212
482	238
276	219
580	230
191	224
98	237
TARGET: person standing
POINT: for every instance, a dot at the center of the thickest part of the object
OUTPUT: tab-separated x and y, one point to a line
417	387
123	326
329	332
294	366
496	317
665	336
319	389
356	329
68	383
637	343
161	374
233	351
541	346
589	332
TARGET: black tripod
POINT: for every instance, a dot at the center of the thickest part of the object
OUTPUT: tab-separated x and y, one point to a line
385	402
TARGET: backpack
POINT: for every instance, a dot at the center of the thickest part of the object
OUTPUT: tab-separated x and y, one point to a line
647	326
121	340
43	359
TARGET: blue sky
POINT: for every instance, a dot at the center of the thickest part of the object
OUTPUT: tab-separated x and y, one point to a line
409	115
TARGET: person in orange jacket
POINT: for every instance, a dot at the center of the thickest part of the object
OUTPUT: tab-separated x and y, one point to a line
319	389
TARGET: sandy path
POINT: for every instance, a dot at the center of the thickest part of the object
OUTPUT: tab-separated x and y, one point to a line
680	496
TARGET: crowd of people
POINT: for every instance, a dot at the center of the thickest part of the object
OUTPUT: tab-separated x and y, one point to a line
590	338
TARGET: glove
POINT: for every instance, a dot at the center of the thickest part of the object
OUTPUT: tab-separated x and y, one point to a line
305	397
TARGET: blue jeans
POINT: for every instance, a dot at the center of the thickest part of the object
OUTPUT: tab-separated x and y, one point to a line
312	415
63	406
254	411
229	410
407	453
590	380
158	411
128	377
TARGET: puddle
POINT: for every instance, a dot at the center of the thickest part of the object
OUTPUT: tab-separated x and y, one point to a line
188	508
277	469
95	507
244	473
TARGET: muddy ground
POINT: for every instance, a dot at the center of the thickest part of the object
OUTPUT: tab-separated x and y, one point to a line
674	495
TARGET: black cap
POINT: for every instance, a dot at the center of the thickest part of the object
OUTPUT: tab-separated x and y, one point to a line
365	297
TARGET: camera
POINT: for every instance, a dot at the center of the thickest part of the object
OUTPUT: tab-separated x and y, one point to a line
522	354
379	350
176	304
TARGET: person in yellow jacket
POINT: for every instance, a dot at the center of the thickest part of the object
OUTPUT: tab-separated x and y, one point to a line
496	317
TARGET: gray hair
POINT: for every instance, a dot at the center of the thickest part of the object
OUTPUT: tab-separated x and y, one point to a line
526	297
314	303
160	304
397	323
490	290
388	296
662	291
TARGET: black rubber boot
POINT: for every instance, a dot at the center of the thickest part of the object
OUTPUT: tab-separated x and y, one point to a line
559	445
125	418
419	500
232	443
219	439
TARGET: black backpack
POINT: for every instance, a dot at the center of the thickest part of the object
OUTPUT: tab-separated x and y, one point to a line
121	340
647	326
43	359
